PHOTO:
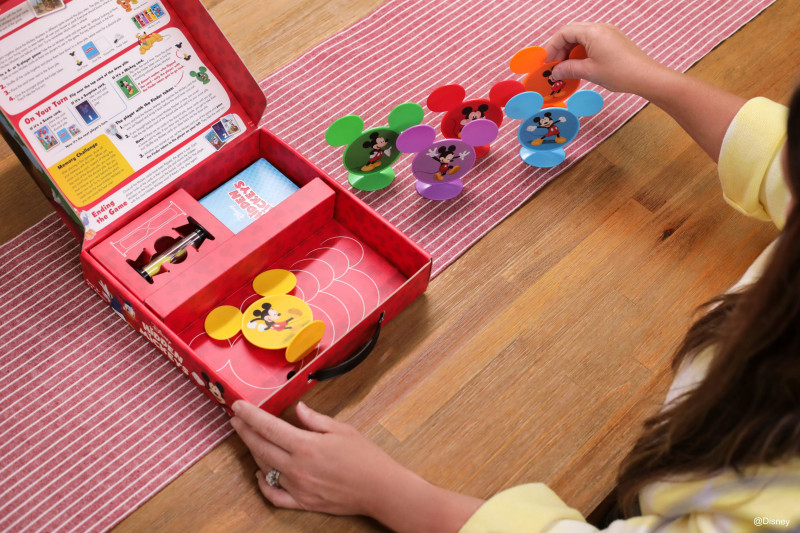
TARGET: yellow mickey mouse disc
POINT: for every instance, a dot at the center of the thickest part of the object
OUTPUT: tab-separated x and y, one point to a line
273	321
223	322
305	341
275	281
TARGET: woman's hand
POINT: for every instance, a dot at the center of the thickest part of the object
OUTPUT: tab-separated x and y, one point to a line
616	63
613	61
330	467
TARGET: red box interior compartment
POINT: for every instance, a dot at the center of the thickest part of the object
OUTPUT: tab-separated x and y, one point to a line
144	234
353	269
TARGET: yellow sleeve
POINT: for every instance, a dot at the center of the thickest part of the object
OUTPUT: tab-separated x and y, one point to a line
535	508
529	508
750	167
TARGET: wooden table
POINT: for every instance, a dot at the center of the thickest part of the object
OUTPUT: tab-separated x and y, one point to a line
593	282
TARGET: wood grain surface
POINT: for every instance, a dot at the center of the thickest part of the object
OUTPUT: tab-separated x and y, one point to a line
536	355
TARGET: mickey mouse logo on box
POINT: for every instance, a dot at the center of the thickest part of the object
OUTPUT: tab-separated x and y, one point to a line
544	132
440	165
450	99
370	154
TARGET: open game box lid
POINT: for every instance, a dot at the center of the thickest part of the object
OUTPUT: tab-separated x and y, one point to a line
110	103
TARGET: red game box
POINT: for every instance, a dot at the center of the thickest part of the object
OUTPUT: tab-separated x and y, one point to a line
125	124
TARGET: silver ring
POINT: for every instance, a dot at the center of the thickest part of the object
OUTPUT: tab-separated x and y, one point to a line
273	479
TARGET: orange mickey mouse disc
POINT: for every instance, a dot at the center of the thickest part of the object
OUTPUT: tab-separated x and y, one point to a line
533	61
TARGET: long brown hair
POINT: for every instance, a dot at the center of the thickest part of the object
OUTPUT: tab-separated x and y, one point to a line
747	410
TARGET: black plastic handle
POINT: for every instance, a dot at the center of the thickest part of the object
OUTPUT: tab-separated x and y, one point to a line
353	361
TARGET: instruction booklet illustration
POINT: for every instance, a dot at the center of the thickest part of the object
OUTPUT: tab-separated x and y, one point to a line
110	100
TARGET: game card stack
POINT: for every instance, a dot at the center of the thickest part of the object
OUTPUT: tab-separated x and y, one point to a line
248	195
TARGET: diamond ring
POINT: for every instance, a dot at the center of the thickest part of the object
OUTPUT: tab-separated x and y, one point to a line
273	479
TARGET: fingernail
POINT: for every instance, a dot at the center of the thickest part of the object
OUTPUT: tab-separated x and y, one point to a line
236	407
235	422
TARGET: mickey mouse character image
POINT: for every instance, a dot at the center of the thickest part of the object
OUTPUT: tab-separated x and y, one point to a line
444	155
533	62
437	178
471	114
260	323
377	142
527	107
126	87
459	111
216	389
548	123
349	131
269	316
555	85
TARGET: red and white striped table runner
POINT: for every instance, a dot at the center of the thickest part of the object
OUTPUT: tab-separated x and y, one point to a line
95	421
405	49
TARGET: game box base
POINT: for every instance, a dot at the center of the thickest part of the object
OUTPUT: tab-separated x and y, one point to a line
353	269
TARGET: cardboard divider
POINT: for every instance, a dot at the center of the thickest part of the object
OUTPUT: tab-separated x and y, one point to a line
239	259
142	236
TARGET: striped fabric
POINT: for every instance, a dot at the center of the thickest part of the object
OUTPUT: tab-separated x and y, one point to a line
95	421
405	49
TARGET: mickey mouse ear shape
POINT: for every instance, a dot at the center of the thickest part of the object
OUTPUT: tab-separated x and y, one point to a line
585	103
223	322
479	132
275	281
528	60
502	91
305	341
579	52
405	115
446	98
344	130
524	104
416	139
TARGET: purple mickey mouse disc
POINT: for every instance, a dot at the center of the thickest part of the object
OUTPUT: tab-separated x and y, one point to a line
438	169
440	191
439	166
445	160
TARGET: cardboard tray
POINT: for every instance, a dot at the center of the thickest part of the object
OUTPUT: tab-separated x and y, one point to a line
353	268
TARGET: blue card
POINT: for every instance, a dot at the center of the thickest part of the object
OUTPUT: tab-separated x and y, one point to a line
249	195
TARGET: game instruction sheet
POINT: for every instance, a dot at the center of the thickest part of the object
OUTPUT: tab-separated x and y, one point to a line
112	99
